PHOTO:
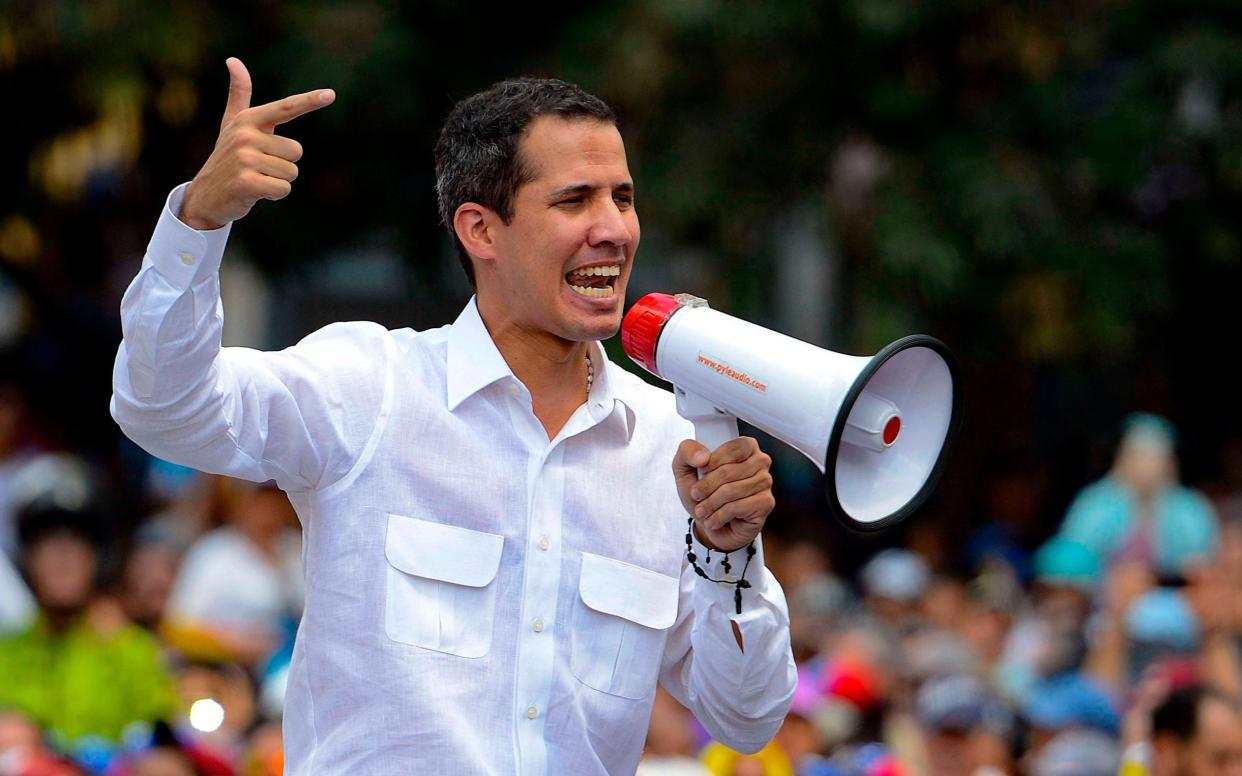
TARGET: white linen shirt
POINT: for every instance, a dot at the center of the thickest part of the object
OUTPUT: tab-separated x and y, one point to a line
479	599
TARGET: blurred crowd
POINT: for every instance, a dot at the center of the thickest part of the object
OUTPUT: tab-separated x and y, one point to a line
152	638
1112	647
138	639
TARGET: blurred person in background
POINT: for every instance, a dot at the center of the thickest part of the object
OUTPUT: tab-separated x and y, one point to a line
966	728
1140	626
496	458
185	503
1068	701
771	760
893	585
818	598
220	707
169	754
671	749
1077	752
1194	731
239	589
1012	513
994	599
1048	637
1139	513
81	670
22	752
147	577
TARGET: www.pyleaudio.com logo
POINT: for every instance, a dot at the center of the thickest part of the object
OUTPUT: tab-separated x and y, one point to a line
722	368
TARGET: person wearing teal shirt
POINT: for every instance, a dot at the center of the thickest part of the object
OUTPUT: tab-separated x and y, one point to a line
1138	512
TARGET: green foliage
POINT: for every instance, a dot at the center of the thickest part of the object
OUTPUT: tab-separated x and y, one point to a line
1028	161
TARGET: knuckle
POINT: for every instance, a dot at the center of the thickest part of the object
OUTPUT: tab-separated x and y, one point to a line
242	137
250	179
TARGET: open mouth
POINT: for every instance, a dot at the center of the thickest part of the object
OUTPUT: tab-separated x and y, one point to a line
595	282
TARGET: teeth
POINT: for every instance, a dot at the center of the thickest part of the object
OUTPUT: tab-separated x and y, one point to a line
612	270
597	293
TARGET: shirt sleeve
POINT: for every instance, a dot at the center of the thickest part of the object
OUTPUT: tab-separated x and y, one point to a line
740	695
303	416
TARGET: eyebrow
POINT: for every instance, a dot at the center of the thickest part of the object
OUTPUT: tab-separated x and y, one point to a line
586	188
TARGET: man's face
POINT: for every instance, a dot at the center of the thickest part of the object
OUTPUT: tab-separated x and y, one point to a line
564	258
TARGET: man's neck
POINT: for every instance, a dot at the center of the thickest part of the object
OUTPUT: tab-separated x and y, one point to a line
553	369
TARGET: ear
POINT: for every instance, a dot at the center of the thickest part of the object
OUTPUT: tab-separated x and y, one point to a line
478	229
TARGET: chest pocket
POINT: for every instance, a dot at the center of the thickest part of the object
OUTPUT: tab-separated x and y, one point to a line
441	585
620	620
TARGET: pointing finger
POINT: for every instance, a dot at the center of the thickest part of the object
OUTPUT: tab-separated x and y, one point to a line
273	113
239	88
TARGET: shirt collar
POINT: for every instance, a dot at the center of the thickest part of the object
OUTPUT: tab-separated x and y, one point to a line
474	363
605	400
473	360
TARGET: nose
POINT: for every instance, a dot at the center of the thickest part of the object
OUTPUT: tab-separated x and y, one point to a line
612	226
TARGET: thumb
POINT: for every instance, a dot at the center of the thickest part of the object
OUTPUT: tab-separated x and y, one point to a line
691	456
239	89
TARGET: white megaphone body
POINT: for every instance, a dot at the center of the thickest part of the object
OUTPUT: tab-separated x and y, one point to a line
877	427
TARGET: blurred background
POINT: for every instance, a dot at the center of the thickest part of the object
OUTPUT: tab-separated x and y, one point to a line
1050	188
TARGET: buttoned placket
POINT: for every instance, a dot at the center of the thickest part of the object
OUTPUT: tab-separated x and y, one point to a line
537	635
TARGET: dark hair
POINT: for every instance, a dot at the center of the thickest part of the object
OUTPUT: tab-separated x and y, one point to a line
1178	714
477	157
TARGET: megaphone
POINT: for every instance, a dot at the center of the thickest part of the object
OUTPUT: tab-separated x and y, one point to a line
877	427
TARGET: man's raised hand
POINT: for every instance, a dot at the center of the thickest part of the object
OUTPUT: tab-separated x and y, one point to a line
250	162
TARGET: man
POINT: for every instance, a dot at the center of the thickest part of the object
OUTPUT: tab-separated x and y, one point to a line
496	570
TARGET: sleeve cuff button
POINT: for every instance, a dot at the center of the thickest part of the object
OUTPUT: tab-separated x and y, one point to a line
186	257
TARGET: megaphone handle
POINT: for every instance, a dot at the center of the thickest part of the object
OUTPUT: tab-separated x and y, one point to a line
714	430
712	426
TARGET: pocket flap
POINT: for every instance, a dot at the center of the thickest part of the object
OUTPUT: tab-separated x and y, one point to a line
624	590
443	552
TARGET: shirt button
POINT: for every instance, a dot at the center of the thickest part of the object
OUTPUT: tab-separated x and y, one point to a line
186	257
543	542
537	625
531	712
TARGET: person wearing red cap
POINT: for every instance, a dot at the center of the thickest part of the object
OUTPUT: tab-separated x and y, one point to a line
499	562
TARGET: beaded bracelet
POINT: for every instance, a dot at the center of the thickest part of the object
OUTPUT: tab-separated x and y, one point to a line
738	585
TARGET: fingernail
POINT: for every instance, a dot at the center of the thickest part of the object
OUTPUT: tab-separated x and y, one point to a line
326	96
696	494
699	511
701	459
